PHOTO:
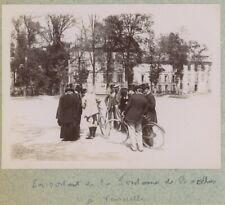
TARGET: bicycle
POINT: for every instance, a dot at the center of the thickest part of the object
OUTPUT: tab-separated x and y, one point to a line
153	135
101	122
101	119
119	133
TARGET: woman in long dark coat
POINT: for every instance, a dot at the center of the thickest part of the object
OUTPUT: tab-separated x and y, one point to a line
68	115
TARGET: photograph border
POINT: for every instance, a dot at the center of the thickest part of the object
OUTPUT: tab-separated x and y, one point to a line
21	183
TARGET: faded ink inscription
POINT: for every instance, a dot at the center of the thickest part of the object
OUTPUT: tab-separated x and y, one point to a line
122	182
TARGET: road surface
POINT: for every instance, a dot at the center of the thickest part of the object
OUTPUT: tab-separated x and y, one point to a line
192	138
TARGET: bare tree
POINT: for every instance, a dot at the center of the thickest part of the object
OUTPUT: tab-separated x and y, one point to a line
56	26
94	37
78	56
32	29
57	49
197	52
112	37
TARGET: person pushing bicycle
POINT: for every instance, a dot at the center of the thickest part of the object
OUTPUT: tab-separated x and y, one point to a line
150	116
112	102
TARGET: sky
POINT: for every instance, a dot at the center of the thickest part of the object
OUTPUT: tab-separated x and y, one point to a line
200	22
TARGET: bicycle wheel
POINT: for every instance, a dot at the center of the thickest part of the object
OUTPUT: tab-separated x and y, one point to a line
116	130
153	136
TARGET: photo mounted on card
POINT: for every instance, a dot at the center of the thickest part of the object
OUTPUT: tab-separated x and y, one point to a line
111	86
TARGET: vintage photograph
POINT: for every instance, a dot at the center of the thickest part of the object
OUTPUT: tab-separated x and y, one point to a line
111	86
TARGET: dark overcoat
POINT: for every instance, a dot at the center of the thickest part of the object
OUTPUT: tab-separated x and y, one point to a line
136	108
151	112
68	116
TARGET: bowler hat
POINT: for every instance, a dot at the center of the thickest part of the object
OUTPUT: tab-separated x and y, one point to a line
78	88
146	86
69	89
116	86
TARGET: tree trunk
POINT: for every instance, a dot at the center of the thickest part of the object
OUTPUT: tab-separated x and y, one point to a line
128	69
79	74
128	74
93	71
108	67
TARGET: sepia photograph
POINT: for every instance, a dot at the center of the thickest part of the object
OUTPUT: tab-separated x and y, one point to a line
129	86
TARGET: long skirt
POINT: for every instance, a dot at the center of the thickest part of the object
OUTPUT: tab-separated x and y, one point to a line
70	131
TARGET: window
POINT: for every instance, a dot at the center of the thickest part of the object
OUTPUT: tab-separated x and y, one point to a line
181	86
202	67
189	67
160	88
196	87
174	88
196	67
142	78
166	76
173	79
166	88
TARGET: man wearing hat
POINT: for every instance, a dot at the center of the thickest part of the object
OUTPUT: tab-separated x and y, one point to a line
134	112
90	112
151	115
112	101
117	98
68	115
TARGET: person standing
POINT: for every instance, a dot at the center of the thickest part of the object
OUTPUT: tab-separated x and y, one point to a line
134	112
123	100
151	116
78	92
116	101
90	112
67	115
109	101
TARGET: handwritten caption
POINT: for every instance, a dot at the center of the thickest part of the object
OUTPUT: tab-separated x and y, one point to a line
120	182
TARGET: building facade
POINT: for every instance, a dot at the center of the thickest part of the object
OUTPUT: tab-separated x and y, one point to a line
195	78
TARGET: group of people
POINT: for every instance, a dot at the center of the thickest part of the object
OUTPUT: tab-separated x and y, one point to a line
72	105
136	104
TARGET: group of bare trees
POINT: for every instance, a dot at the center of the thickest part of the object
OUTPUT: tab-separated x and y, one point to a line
40	52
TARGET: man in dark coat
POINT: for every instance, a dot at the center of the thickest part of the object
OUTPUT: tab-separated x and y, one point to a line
151	116
123	99
68	115
134	112
151	113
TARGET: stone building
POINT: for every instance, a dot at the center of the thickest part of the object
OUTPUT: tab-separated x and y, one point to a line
195	79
